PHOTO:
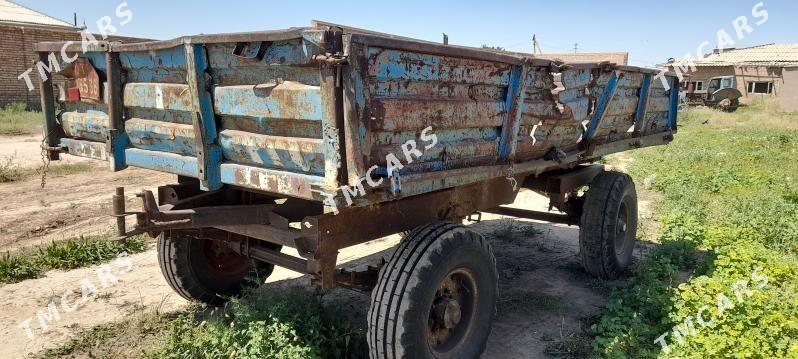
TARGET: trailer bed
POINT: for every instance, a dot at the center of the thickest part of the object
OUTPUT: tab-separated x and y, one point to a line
303	112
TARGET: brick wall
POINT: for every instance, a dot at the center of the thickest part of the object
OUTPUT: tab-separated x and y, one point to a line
788	97
17	55
746	74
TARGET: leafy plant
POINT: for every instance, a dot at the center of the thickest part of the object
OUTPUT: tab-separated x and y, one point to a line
728	212
295	323
69	254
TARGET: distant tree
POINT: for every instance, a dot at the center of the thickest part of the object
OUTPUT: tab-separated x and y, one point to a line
485	46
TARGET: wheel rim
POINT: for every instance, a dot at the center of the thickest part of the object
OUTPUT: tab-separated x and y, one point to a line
451	316
222	262
622	228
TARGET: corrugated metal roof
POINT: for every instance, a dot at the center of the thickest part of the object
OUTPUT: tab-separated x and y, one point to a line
763	55
17	14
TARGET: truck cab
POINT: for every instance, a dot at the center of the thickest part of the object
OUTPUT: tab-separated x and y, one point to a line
721	82
721	93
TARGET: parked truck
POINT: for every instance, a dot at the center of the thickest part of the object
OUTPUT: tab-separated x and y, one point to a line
290	138
722	94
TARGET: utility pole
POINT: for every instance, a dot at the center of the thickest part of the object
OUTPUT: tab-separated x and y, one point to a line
535	45
576	47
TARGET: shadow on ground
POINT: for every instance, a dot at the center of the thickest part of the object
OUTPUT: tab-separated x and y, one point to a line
546	298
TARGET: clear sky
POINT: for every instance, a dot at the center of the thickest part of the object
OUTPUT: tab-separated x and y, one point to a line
651	31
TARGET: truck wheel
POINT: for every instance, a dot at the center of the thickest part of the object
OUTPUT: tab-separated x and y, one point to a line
202	270
731	105
608	225
436	297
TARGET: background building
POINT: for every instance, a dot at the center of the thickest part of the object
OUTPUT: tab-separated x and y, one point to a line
762	72
618	58
20	28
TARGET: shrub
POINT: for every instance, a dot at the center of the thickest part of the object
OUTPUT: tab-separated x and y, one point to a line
9	170
294	323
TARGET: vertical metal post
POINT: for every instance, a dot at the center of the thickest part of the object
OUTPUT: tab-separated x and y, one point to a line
601	106
356	135
209	155
642	105
51	131
514	108
673	107
117	139
331	87
118	210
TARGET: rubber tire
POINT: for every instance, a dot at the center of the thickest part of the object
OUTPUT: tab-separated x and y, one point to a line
599	221
401	301
182	267
733	105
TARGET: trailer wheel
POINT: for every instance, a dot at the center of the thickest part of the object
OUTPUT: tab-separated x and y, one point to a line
608	225
202	270
436	297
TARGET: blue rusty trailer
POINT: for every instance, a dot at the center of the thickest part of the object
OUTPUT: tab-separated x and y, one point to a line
291	138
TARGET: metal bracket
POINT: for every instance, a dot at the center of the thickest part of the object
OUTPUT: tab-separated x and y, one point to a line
255	50
471	218
601	106
396	183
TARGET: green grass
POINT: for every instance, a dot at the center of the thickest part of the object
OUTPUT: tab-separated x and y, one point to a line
15	120
65	169
11	171
292	323
277	321
142	329
729	209
69	254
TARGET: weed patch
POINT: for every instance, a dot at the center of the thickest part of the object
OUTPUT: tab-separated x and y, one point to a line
292	323
11	171
728	210
143	329
69	254
15	119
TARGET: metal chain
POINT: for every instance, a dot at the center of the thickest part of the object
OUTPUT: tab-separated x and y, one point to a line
45	161
511	178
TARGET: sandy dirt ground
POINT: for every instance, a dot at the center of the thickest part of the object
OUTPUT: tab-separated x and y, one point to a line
68	206
544	293
25	149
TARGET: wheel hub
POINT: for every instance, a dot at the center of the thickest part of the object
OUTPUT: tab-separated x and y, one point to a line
447	313
223	262
451	317
621	226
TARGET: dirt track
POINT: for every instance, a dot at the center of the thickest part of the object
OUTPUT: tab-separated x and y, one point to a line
544	292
